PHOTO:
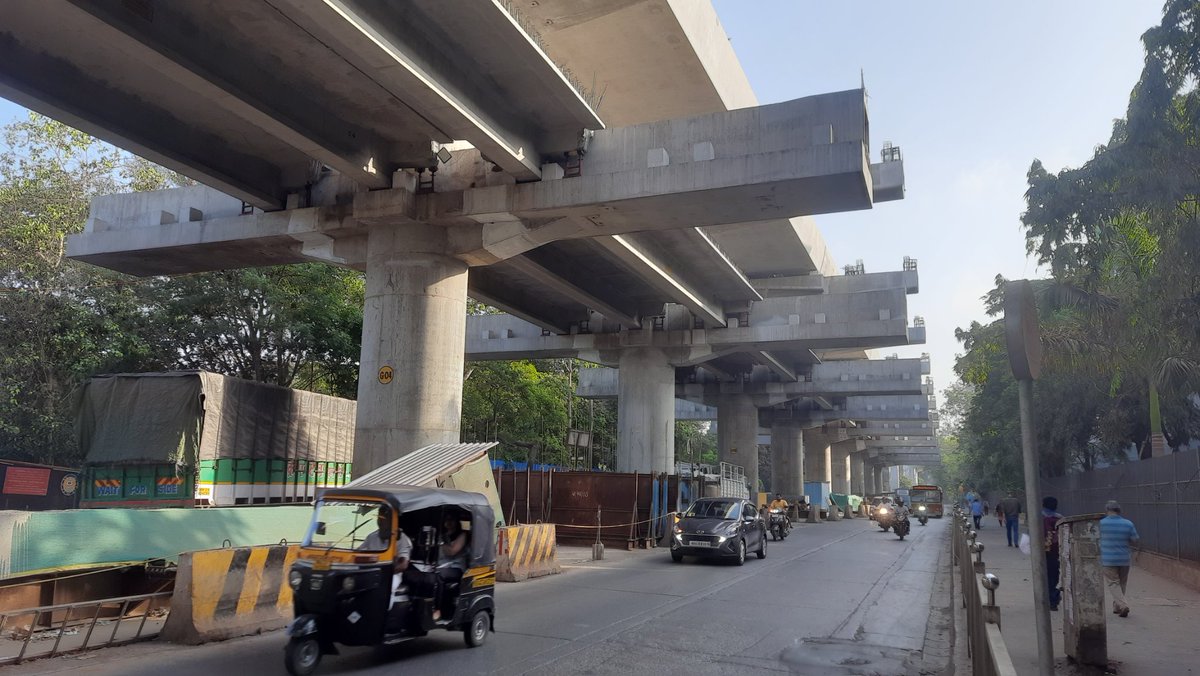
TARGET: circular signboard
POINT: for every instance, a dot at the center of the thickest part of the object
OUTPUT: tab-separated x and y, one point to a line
68	484
386	374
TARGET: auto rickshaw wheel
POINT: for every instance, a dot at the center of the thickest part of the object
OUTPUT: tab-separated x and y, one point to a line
301	656
476	632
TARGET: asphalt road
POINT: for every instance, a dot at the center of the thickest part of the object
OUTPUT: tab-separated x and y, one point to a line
834	598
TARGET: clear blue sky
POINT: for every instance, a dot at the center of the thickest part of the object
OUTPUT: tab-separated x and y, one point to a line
972	92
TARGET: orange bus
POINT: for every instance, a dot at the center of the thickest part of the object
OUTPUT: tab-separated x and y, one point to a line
930	496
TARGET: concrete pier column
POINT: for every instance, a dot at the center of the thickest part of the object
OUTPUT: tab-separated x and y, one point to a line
817	465
877	473
737	435
858	464
870	487
414	329
839	466
646	412
816	456
787	460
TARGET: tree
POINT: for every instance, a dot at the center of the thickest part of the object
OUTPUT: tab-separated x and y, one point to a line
1120	236
287	325
62	322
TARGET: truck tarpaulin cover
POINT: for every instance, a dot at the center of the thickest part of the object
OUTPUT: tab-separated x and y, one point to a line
182	417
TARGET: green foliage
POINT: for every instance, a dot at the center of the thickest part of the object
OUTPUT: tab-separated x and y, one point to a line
62	322
695	441
529	406
292	325
1121	238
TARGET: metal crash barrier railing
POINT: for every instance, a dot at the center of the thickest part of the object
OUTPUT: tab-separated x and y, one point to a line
67	621
985	646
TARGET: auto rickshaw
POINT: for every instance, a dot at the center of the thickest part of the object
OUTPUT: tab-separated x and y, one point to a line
346	586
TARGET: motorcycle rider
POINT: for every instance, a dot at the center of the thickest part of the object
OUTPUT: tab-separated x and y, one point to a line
901	510
780	503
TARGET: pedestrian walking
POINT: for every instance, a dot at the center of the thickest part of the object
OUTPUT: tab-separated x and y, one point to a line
1116	534
1010	506
1050	517
987	504
976	512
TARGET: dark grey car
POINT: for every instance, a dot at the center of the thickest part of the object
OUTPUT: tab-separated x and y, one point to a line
720	527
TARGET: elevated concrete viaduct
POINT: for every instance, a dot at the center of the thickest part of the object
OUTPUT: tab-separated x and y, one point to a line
445	150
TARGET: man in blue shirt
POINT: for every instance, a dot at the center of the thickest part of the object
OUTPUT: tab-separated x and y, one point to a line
1116	534
976	512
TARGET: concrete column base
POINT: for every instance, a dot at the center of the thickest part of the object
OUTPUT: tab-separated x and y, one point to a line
814	515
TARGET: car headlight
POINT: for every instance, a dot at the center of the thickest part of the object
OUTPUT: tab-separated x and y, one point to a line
678	529
295	578
348	583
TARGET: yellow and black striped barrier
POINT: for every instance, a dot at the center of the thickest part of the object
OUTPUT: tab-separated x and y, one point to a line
222	593
523	552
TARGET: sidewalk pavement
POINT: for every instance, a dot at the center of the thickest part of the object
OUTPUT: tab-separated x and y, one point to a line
1158	637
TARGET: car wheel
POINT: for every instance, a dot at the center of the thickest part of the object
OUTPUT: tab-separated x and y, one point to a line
741	555
762	550
676	556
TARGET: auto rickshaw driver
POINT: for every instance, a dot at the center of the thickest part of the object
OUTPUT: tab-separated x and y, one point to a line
378	541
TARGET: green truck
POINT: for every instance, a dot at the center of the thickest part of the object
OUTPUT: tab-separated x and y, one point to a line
194	438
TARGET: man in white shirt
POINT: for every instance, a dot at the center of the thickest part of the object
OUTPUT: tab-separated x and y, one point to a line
378	540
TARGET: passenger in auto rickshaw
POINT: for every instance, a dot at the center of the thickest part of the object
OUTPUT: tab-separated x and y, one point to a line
441	570
452	560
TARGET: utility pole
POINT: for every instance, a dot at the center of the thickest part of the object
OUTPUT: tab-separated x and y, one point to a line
571	411
1025	358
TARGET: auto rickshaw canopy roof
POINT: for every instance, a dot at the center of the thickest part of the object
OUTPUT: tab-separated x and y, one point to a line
415	498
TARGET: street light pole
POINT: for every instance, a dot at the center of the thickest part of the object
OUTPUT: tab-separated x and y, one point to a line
1025	357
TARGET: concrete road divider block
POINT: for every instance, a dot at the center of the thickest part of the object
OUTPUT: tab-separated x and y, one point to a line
222	593
523	552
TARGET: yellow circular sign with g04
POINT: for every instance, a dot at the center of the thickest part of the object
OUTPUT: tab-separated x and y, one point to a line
386	374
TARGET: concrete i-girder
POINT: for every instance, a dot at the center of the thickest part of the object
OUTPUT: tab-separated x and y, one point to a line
354	89
265	87
832	379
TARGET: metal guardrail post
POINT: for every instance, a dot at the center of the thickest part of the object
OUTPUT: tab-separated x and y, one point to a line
61	630
117	624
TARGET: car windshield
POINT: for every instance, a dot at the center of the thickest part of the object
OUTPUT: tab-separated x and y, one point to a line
714	509
346	524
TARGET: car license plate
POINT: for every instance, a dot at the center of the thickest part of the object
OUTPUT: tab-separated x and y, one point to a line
699	543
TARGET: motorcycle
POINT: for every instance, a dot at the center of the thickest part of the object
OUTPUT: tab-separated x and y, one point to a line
884	517
922	515
779	524
901	527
